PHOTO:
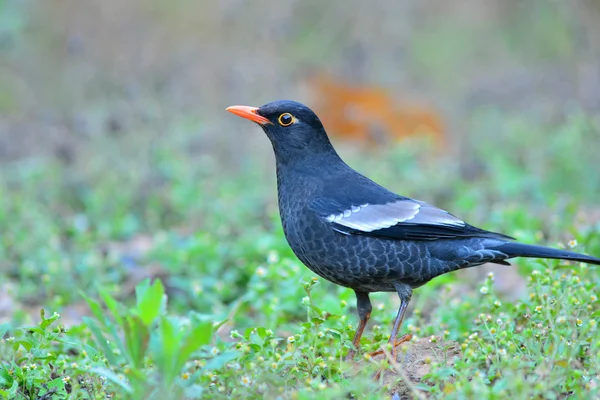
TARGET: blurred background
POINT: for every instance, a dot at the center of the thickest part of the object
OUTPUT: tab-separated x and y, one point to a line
72	71
118	160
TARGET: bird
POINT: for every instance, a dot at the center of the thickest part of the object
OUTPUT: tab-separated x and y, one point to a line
355	233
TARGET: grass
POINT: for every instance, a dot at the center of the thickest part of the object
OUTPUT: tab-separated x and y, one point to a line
153	273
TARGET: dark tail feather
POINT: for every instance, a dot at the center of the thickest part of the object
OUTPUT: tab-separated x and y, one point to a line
513	249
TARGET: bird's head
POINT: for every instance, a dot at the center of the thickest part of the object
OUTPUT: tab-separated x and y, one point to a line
294	129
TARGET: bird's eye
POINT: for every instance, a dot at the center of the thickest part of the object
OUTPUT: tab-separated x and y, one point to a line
286	119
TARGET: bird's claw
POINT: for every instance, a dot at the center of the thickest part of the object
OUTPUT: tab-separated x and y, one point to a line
398	342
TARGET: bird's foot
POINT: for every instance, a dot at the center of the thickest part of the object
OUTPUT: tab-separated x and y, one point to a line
398	342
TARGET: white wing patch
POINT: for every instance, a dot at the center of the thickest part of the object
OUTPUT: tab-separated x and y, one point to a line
372	217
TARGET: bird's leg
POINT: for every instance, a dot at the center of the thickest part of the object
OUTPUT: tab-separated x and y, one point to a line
363	305
405	294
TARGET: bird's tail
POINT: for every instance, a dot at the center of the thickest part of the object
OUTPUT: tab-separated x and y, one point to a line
513	249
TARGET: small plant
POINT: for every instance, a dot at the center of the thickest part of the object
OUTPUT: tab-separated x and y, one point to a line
146	350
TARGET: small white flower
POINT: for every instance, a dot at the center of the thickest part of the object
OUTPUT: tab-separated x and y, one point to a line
273	257
246	381
484	290
260	271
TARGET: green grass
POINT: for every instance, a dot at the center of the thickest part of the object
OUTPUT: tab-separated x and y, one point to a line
151	274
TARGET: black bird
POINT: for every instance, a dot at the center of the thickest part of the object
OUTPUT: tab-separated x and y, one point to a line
356	233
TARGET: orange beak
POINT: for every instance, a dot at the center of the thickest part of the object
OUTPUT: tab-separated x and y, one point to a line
248	113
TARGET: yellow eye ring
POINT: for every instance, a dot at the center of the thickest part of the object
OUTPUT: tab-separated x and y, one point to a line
285	119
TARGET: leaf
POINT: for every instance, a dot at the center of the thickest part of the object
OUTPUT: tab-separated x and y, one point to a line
198	337
194	391
137	336
262	332
248	332
46	322
11	393
26	343
217	325
101	340
113	306
149	301
167	357
95	308
56	383
4	329
254	347
335	332
33	329
90	350
219	361
5	376
111	376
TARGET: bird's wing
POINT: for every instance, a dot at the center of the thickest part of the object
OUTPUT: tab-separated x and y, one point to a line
395	218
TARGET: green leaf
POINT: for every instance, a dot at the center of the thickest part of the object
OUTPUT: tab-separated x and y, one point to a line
46	322
101	340
219	361
111	376
11	393
199	336
33	329
3	329
261	331
95	308
194	391
26	343
166	351
149	301
113	306
137	336
56	383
